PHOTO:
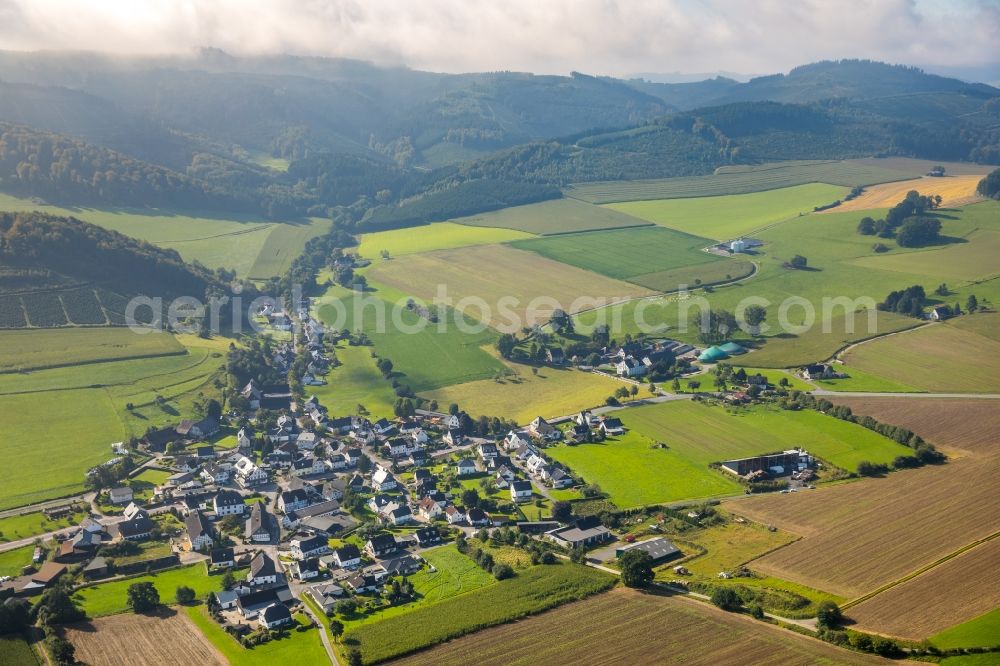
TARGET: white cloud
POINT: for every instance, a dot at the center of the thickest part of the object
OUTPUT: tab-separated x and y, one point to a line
596	36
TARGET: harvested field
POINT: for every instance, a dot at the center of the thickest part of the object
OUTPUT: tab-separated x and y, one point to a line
492	272
936	358
141	640
958	590
647	629
558	216
970	425
954	191
860	536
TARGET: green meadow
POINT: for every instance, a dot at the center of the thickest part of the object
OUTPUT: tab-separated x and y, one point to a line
743	179
355	382
13	561
250	245
983	631
430	237
730	216
559	216
423	357
301	646
858	380
111	597
633	471
654	257
22	350
16	651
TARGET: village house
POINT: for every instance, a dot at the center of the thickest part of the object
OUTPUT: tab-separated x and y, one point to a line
296	498
454	515
630	367
228	503
217	474
542	429
302	548
397	515
136	527
516	439
308	466
326	595
222	558
453	437
347	556
585	533
381	545
466	467
253	394
383	480
275	616
520	491
262	570
488	451
612	426
248	474
477	517
427	536
120	496
200	533
259	524
428	509
306	569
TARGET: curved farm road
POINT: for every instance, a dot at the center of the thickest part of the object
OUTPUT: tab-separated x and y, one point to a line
322	634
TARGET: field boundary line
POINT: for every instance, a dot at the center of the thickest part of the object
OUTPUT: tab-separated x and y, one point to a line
910	576
95	361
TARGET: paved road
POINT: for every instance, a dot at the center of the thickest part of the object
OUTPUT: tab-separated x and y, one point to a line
322	633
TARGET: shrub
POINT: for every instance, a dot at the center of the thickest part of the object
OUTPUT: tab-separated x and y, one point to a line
726	599
828	614
502	571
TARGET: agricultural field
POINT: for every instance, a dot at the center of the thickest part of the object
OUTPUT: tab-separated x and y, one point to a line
235	241
423	356
981	631
492	272
523	396
302	645
986	324
32	350
858	380
969	259
529	592
582	633
13	561
653	257
920	607
150	639
558	216
937	358
430	237
633	472
957	425
743	180
918	167
953	190
774	377
862	535
109	598
16	651
730	216
355	382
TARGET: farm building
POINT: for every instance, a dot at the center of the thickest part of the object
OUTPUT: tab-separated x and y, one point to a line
738	245
775	464
712	354
732	348
586	532
659	549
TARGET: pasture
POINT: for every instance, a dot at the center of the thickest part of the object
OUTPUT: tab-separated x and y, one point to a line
742	179
52	348
424	357
13	561
938	358
355	382
981	631
860	536
430	237
523	396
534	285
953	190
653	257
558	216
532	591
969	259
15	528
110	598
633	472
730	216
234	241
953	592
858	380
141	640
582	633
300	646
965	425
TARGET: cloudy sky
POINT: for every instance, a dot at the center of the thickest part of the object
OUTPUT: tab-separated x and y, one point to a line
617	37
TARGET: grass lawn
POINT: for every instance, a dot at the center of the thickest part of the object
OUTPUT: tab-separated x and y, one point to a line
529	592
438	236
558	216
284	244
50	348
859	380
16	651
731	216
299	647
110	598
153	476
743	179
936	358
488	273
988	659
983	631
455	574
633	473
969	259
355	382
15	528
551	392
12	561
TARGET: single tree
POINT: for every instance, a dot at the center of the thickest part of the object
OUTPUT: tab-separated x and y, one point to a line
502	571
142	597
184	594
828	614
636	567
754	316
470	498
798	261
971	304
354	657
336	629
726	599
562	511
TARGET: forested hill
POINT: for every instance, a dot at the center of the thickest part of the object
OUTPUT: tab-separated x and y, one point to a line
57	271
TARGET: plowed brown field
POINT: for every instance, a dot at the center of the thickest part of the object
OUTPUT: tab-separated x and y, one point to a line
142	640
629	627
